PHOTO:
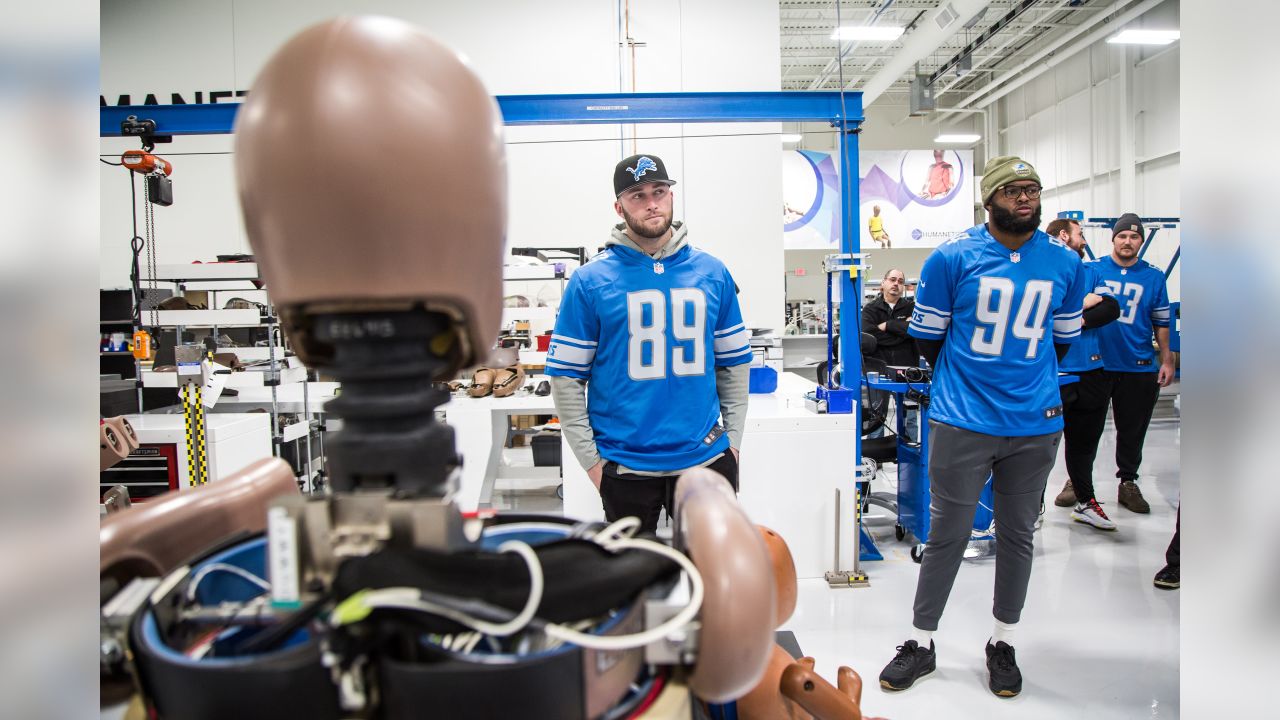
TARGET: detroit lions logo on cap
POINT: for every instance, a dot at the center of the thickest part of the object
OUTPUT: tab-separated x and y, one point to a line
643	165
1021	169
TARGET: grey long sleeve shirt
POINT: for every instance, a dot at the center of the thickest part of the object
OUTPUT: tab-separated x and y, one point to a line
570	395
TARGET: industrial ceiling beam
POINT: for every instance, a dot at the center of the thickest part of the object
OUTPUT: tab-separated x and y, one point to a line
1034	66
938	25
982	38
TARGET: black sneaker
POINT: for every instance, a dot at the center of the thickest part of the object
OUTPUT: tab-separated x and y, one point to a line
1006	678
907	666
1168	578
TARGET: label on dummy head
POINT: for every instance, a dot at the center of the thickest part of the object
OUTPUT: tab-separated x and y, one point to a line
282	558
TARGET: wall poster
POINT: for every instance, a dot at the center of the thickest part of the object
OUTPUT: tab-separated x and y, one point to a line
908	198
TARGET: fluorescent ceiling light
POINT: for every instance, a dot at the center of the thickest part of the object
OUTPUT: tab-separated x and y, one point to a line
957	138
1145	37
870	33
792	137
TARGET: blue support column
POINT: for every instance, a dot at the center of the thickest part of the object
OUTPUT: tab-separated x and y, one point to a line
850	284
1169	270
1146	245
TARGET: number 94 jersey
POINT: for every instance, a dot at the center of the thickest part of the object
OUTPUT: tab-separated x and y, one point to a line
1000	313
647	336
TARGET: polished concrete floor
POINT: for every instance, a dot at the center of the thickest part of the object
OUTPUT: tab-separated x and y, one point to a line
1096	640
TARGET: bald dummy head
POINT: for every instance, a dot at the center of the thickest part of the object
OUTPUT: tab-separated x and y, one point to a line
372	177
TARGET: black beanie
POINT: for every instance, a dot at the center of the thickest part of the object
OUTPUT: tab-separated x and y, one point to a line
1127	221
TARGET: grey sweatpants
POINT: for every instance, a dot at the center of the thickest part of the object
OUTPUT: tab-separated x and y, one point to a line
959	463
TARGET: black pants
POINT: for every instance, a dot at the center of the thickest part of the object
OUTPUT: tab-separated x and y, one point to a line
644	496
1084	405
1132	396
1173	555
1133	399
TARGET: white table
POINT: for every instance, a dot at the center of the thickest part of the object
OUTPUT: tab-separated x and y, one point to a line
480	426
288	397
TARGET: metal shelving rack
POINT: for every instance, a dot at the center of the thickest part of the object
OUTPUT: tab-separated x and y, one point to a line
181	276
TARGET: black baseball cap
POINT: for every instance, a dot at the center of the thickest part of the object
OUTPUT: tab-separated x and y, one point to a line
638	170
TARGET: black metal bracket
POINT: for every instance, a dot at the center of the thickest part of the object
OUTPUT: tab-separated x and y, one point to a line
144	129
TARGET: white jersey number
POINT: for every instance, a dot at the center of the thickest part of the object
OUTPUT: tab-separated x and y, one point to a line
688	326
995	303
1133	294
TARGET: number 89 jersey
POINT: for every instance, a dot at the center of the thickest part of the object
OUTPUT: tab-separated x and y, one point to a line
647	336
1000	313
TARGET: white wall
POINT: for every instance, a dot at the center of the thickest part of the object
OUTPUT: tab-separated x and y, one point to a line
1102	130
560	191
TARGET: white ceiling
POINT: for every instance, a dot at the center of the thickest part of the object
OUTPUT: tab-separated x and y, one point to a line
808	52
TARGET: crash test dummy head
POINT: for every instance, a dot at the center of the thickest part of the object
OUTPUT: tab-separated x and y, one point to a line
351	211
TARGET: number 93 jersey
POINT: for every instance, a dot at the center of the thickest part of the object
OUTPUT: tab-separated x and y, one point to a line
646	336
1144	304
1000	313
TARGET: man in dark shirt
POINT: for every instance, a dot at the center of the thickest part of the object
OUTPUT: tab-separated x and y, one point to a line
886	318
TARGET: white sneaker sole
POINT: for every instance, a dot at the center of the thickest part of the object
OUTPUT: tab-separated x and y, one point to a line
1085	520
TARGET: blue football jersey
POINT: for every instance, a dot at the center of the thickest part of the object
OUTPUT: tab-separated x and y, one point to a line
647	337
1144	303
1084	353
998	372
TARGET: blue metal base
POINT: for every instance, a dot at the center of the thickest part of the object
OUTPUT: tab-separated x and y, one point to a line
867	548
839	399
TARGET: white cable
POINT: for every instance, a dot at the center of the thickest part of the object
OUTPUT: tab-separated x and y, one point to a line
615	537
410	598
223	567
622	529
626	642
518	623
471	644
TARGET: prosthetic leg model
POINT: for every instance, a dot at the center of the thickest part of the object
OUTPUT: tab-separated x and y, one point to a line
790	689
372	178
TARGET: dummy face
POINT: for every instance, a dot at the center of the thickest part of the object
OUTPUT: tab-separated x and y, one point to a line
937	156
1126	244
646	209
875	210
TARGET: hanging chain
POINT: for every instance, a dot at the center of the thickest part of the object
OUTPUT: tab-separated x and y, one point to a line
150	230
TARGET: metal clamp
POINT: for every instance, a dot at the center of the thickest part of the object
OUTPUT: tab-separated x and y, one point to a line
839	262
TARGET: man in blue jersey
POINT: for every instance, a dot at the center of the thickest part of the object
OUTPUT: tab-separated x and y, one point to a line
996	308
1135	373
1084	402
648	354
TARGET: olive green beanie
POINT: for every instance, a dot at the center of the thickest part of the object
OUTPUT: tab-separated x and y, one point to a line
1004	170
